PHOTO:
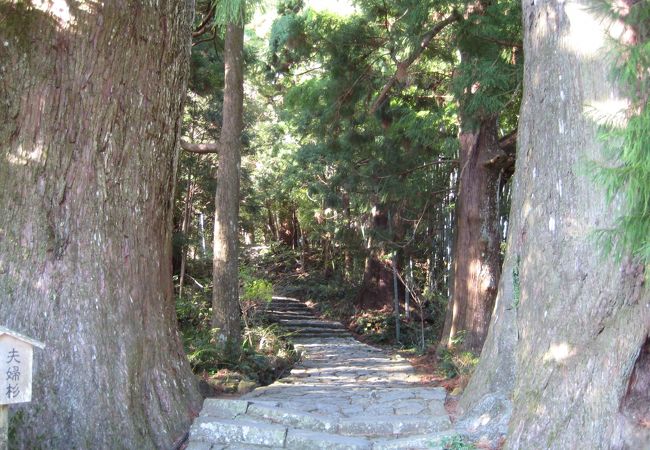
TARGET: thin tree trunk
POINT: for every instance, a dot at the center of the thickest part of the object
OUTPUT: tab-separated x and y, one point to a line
273	230
295	227
89	128
395	282
408	288
202	234
225	299
348	261
185	227
328	262
396	297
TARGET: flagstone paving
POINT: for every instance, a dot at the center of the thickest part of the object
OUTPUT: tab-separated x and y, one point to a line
343	395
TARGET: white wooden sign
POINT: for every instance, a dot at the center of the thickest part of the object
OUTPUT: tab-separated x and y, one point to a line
16	357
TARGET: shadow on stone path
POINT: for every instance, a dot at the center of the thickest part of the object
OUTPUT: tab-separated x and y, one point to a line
343	395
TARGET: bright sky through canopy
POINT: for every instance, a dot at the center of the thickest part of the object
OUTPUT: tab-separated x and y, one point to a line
265	15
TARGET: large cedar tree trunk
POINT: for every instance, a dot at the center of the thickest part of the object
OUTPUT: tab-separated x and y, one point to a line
225	299
564	356
89	126
477	261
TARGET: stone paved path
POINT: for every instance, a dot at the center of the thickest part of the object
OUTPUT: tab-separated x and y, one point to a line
344	395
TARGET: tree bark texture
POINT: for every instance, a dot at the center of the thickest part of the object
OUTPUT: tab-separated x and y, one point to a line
91	98
570	325
477	261
225	298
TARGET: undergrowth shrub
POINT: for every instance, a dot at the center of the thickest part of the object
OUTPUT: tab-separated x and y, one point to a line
457	363
266	353
378	326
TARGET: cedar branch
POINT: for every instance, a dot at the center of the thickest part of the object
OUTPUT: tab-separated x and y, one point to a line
404	65
203	28
212	147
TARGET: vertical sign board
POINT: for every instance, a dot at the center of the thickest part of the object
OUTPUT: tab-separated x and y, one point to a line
16	357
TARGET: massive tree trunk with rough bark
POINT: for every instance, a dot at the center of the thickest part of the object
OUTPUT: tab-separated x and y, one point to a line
565	364
477	253
91	96
225	298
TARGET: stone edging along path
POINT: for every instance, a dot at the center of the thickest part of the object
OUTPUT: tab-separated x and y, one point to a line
343	395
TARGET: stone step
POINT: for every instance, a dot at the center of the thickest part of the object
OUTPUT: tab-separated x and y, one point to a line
314	440
279	301
287	303
305	440
309	314
431	441
291	314
290	309
286	300
202	445
292	418
321	334
240	431
313	323
378	426
239	434
249	413
225	408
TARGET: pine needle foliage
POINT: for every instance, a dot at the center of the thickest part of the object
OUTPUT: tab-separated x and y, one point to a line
489	77
627	178
330	68
229	11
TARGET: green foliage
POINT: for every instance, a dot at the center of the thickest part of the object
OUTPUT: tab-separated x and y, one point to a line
627	145
266	351
194	309
489	77
341	160
456	442
457	363
229	11
377	326
436	307
265	355
254	289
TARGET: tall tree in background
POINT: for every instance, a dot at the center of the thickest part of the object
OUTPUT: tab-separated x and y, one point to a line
488	85
567	349
89	126
225	294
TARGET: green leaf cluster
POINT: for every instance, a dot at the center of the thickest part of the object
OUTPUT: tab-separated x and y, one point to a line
628	146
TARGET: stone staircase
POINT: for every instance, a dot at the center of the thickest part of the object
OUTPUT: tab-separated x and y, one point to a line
301	321
343	395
